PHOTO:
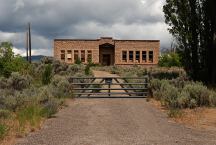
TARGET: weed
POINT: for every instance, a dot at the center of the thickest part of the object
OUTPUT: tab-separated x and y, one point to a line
3	130
175	113
29	114
5	114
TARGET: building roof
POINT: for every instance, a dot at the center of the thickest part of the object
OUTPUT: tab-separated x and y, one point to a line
105	38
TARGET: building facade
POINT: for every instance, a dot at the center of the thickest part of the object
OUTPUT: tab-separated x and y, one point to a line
107	51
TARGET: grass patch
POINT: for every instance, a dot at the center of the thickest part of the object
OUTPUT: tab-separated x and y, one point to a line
30	114
5	114
3	130
175	113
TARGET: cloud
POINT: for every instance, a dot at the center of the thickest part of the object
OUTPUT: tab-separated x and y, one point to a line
122	19
19	5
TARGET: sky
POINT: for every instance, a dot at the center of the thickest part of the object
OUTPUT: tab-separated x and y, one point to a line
80	19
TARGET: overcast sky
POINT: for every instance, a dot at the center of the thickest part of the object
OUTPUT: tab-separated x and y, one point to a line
50	19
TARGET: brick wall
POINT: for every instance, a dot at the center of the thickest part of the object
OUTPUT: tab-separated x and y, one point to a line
76	45
136	46
70	46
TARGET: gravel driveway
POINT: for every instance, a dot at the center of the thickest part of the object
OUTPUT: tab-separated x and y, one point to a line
115	122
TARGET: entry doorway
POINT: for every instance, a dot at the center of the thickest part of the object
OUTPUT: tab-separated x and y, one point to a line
106	59
106	54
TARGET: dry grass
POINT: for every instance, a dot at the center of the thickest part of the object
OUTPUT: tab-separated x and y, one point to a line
199	118
16	131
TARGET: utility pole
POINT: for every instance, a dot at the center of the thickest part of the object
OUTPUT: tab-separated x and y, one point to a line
29	41
27	57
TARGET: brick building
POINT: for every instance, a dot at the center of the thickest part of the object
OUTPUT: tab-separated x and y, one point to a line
107	51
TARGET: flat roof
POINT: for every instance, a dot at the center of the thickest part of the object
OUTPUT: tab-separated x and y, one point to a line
105	38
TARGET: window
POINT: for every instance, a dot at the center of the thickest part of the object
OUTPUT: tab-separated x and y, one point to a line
137	56
69	55
83	55
144	56
124	56
76	55
63	55
89	55
131	55
150	56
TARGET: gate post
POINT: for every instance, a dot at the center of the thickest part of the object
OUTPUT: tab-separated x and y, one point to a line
109	82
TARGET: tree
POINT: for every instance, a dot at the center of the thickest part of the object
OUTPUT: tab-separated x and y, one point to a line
192	23
169	60
6	56
9	62
6	52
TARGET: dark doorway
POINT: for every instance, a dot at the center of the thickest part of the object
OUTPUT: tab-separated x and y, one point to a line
106	59
106	54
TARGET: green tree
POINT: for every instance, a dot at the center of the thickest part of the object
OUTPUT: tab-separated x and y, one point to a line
6	52
169	60
6	57
192	23
9	62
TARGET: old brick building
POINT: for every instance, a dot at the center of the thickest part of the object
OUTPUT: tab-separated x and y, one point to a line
107	51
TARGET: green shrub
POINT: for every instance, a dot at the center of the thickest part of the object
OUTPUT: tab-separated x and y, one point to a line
10	103
165	92
155	84
212	98
78	61
198	92
75	68
5	114
164	73
169	96
60	87
47	60
193	103
44	94
47	75
3	130
175	113
50	108
87	70
19	82
182	94
183	100
3	83
88	66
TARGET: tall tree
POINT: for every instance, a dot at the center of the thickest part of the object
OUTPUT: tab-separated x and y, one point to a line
192	23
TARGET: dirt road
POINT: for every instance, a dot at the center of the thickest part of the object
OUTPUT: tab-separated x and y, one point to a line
115	122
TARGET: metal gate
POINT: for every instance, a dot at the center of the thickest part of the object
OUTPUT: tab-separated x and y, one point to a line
110	87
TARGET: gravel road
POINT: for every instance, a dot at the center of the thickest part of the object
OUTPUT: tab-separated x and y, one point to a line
115	122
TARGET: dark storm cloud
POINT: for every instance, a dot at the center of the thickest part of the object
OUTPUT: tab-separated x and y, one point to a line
80	18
